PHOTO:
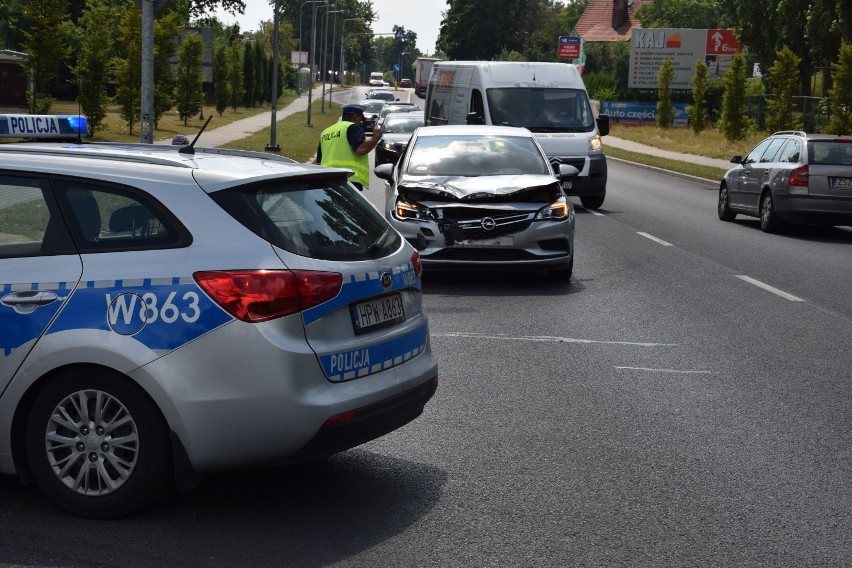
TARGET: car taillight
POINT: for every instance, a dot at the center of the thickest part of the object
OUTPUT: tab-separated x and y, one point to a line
799	176
260	295
417	264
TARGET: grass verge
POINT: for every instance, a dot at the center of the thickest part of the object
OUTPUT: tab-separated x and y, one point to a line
704	172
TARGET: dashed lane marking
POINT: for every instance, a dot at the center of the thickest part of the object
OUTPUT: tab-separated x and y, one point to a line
655	239
550	339
769	288
664	370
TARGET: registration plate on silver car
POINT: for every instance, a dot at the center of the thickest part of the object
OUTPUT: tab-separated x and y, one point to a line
840	183
378	312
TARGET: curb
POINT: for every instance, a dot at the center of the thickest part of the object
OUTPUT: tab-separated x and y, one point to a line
708	183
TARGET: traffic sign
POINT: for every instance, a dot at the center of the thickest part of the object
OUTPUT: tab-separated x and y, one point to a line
569	47
400	34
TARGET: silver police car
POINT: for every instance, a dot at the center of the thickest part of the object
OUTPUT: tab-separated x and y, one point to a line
167	312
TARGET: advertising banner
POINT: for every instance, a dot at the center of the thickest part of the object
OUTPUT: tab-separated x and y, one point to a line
649	47
634	113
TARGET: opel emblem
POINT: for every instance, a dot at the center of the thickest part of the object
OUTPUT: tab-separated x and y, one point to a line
488	223
387	279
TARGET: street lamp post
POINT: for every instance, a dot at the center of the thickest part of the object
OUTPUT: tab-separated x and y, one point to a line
342	43
312	61
273	141
300	26
324	52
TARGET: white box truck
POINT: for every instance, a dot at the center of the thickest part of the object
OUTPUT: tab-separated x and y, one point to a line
422	70
549	99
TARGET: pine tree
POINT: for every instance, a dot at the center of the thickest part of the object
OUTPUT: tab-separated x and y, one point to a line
166	30
733	122
127	67
93	60
189	76
697	111
665	110
784	83
45	41
248	75
221	90
841	93
235	74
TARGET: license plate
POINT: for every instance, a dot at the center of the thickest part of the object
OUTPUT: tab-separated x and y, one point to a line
567	184
840	183
495	242
378	312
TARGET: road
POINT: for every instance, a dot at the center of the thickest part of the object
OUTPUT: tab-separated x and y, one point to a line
684	401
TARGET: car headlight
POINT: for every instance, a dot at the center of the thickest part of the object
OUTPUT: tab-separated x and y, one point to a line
595	144
405	210
556	211
384	145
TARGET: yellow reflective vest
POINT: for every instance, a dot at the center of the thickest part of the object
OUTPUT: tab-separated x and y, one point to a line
336	152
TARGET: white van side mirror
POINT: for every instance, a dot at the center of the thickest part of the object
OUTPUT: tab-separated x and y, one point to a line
474	118
603	125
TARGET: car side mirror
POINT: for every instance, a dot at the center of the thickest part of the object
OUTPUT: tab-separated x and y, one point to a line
567	172
603	125
737	160
384	171
474	118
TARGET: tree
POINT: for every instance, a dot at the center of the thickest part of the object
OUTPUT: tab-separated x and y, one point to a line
235	74
665	110
45	41
248	75
166	29
92	70
221	91
841	92
189	76
697	111
734	123
783	79
695	14
127	67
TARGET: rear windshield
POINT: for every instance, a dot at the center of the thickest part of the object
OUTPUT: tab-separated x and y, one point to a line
830	152
317	217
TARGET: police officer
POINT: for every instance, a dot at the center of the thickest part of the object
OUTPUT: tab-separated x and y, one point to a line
345	145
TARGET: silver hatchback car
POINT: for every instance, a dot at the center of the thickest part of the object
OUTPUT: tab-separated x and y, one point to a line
169	312
481	197
791	177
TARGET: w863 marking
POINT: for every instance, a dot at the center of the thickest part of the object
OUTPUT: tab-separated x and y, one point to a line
125	309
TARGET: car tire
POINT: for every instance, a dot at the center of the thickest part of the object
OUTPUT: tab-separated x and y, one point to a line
724	209
769	222
107	461
593	201
563	274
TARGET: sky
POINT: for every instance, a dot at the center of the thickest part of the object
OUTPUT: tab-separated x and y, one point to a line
420	16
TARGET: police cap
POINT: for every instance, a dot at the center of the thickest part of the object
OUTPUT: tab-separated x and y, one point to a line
353	109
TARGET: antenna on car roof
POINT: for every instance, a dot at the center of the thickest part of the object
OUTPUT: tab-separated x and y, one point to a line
189	148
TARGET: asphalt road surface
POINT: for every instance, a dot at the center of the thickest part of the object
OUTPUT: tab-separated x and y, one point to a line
684	401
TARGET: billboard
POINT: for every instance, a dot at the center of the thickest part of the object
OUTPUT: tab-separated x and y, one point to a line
636	113
649	47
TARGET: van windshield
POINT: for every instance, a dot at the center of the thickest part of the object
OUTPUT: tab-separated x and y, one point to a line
541	110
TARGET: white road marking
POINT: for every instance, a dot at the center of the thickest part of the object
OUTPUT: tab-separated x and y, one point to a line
547	338
663	370
769	288
655	239
593	212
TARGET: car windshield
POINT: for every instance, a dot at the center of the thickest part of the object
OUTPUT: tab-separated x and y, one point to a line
403	123
384	95
541	109
399	108
318	217
472	155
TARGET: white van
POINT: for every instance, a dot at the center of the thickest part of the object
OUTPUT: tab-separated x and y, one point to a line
377	79
549	99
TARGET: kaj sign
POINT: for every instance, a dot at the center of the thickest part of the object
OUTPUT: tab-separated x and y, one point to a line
649	47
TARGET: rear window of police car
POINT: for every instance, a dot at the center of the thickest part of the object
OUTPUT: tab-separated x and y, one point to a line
318	217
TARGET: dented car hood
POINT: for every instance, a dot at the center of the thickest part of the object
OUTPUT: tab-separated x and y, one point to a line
470	188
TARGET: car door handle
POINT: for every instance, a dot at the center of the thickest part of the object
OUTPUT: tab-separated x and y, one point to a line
27	302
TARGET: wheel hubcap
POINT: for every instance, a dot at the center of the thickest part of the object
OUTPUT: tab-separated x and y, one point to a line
92	442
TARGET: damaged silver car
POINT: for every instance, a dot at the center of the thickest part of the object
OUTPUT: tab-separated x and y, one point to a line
481	197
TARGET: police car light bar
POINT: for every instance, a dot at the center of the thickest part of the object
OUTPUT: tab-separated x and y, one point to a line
42	126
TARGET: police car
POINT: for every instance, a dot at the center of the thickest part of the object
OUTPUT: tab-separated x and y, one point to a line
167	312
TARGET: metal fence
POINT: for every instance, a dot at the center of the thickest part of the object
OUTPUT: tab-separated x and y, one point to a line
813	112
